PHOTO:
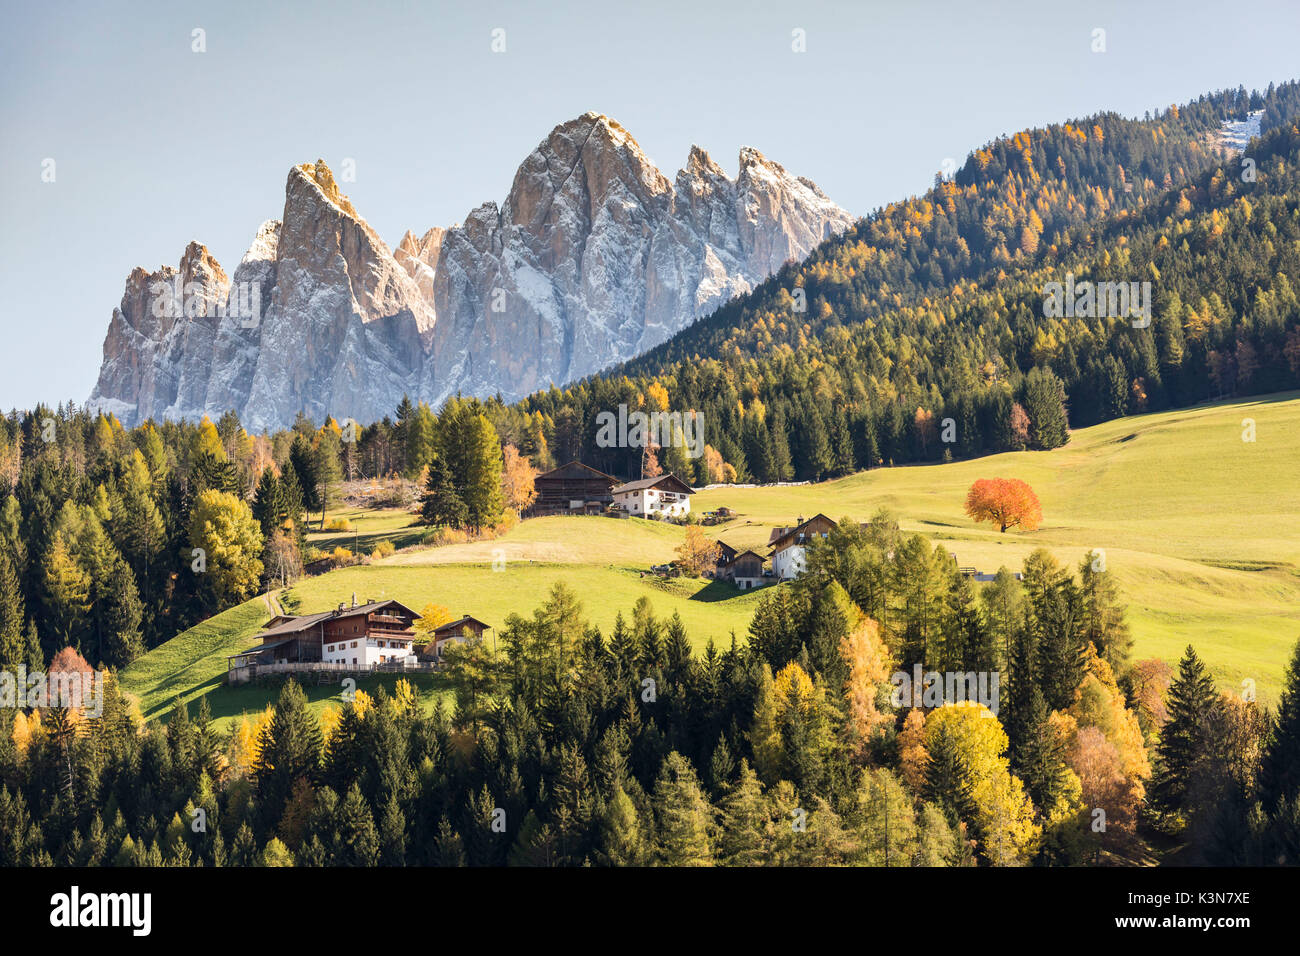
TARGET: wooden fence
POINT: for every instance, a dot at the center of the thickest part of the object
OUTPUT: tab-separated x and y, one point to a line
326	671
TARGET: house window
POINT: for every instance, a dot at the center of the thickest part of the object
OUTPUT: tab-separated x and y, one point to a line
354	644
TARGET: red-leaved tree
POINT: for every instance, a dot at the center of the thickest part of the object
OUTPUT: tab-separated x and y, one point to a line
1006	502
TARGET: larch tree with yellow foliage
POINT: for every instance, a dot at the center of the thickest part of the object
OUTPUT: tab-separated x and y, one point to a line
696	554
517	474
868	662
1004	814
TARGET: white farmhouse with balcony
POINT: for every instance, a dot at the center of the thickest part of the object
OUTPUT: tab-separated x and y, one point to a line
789	545
664	495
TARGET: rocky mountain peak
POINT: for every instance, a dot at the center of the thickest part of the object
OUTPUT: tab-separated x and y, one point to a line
419	257
594	256
319	174
700	164
265	244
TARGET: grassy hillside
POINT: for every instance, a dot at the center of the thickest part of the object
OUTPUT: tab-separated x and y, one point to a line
367	529
602	559
194	662
1201	529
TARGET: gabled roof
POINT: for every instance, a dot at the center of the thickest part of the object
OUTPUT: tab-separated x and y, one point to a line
575	469
658	481
760	557
289	626
457	625
782	537
260	648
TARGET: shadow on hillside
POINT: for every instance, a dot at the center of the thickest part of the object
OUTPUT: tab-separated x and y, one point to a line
231	703
365	541
717	591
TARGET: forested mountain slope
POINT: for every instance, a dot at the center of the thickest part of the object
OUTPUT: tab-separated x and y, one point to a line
1023	198
858	381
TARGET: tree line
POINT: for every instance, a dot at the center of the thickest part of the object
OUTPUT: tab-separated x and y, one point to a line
568	746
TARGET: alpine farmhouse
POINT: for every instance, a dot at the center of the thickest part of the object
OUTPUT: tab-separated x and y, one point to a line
360	637
665	495
789	545
574	488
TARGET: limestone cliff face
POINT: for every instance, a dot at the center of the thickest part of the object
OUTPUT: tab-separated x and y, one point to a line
154	342
594	257
320	318
419	257
346	328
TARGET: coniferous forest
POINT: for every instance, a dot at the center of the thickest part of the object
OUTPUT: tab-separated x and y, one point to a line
567	746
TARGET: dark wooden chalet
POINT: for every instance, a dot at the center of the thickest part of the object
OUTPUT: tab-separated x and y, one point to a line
574	488
726	554
742	568
451	631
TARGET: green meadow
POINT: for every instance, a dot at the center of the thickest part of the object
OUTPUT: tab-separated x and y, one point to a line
1201	528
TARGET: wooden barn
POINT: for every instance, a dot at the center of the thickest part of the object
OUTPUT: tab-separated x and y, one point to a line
742	568
456	630
574	488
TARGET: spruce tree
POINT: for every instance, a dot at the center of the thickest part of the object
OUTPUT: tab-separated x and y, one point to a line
302	459
1045	403
355	839
1279	776
948	779
268	503
1103	613
781	462
12	650
119	613
1040	760
441	504
290	749
1186	738
392	835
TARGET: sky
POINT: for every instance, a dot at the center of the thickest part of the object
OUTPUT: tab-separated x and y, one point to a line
154	143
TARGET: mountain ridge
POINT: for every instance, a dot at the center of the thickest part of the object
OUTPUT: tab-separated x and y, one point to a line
594	256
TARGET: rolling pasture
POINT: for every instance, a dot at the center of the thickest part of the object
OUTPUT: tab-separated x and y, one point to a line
1201	529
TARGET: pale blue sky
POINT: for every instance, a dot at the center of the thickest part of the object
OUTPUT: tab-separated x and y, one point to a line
156	145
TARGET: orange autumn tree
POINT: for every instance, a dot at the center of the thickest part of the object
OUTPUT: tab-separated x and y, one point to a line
697	553
517	474
1006	502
